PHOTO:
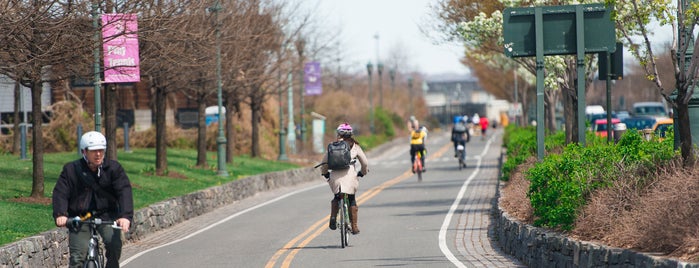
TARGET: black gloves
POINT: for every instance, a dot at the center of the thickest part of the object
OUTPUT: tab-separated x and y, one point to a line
326	175
360	174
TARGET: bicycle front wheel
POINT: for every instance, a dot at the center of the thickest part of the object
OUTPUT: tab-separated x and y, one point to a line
342	223
91	264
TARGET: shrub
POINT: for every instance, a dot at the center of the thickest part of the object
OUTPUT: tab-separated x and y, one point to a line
561	183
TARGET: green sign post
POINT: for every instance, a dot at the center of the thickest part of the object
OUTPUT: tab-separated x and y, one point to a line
558	30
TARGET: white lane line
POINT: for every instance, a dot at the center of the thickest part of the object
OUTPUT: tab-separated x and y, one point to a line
221	221
445	225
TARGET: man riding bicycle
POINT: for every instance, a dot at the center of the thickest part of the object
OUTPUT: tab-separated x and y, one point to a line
417	144
459	134
98	186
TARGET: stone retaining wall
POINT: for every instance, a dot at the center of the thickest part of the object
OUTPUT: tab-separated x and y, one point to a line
537	247
50	248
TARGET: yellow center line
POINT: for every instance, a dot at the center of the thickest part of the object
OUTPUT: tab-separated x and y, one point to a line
317	227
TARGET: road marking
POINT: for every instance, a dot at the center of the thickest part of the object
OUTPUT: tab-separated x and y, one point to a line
447	220
318	227
221	221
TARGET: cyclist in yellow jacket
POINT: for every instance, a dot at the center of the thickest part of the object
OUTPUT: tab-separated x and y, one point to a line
417	144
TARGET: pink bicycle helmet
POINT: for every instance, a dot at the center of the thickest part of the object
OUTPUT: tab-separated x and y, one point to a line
344	130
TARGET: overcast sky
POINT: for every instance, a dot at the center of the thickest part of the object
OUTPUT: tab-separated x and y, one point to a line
397	23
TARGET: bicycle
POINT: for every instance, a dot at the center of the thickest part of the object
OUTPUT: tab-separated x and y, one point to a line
94	257
461	155
343	220
343	217
417	165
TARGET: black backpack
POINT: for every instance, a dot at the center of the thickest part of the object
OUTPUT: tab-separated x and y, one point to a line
339	156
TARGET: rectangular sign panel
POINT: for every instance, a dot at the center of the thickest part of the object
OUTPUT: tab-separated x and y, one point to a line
311	78
559	30
120	48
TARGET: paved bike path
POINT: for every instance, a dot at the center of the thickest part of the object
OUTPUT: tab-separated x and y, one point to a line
469	240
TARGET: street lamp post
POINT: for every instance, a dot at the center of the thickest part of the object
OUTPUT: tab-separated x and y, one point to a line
369	68
410	92
282	146
291	126
392	76
96	65
300	45
379	69
221	139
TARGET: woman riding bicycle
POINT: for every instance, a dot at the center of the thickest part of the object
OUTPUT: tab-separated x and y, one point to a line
345	179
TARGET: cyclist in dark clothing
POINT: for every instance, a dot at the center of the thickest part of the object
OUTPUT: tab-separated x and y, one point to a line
100	187
460	134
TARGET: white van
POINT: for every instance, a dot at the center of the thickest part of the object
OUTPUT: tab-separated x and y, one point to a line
649	108
594	109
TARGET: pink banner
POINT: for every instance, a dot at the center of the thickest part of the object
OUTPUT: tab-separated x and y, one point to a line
120	46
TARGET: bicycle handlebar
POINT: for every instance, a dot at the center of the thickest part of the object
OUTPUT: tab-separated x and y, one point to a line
96	221
318	165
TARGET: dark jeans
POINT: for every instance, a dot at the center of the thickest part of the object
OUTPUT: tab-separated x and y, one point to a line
78	243
414	148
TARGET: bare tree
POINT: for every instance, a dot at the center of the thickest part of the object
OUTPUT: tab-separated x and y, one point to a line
165	42
37	38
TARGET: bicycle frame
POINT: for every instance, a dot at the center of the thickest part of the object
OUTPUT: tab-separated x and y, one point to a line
94	257
344	220
417	165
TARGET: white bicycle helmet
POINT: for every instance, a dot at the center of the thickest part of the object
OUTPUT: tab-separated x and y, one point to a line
93	140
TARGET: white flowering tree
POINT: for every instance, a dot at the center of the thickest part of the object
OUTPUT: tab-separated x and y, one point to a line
483	37
632	21
485	31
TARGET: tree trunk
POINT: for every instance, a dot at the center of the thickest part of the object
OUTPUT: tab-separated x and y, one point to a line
230	132
160	131
16	120
110	122
551	100
37	141
683	128
201	130
256	107
524	99
569	108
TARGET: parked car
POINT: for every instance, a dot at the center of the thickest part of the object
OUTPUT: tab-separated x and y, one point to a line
621	115
661	127
600	126
639	122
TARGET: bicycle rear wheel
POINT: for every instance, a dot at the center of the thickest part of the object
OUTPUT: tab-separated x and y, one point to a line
418	162
343	223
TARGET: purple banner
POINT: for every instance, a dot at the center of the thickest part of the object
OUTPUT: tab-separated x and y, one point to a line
121	62
311	78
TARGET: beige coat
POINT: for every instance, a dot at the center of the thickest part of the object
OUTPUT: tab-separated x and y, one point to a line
346	178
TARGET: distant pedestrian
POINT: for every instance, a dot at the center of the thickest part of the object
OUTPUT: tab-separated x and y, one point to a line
484	127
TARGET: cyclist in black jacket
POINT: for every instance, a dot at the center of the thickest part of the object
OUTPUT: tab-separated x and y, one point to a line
91	184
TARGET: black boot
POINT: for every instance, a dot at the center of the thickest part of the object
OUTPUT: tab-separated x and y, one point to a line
334	208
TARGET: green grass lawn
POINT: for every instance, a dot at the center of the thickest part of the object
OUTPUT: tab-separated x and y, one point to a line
19	220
